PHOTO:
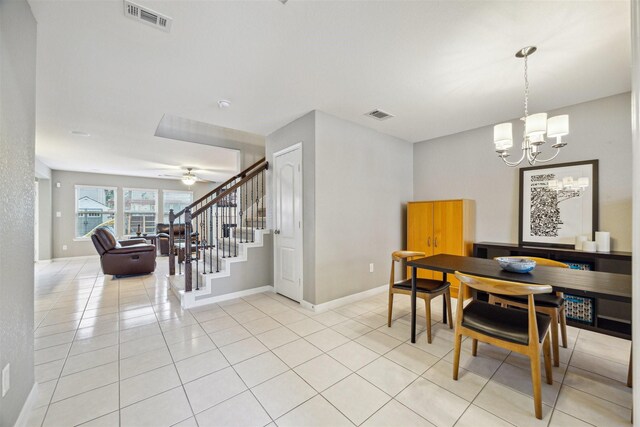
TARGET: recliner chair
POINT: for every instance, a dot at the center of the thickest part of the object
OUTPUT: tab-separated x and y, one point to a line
124	257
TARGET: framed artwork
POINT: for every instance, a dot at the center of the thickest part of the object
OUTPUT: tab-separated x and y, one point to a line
553	217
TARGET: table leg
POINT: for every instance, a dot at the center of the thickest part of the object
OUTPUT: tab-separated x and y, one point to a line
414	273
444	303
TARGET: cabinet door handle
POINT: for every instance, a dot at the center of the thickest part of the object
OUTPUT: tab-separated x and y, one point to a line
429	242
435	242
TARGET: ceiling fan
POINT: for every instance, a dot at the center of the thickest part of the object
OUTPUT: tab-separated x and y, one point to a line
190	174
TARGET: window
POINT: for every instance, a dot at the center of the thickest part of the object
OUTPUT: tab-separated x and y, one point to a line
140	211
95	206
176	200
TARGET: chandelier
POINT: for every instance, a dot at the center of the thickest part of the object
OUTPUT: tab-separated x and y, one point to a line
189	178
535	128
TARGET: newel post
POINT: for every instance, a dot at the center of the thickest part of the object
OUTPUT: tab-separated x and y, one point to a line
172	254
187	250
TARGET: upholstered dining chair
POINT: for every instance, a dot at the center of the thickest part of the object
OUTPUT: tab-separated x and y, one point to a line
427	289
551	304
510	328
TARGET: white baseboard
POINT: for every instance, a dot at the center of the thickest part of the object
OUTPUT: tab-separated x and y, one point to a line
188	302
23	418
329	305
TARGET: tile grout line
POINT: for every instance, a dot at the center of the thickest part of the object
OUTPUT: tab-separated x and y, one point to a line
64	363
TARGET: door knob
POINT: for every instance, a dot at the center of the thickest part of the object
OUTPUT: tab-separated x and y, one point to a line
429	242
276	231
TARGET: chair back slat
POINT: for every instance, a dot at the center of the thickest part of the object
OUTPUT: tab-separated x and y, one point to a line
501	287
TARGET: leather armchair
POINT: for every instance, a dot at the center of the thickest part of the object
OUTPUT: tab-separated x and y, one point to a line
162	231
124	257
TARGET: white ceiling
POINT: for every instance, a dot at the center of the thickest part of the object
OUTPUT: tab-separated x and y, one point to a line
439	66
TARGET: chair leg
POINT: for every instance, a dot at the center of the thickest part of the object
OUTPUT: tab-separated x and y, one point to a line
563	323
537	386
447	295
390	309
457	340
427	309
474	347
554	338
546	349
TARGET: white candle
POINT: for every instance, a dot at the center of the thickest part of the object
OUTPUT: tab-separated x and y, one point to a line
579	241
603	241
589	246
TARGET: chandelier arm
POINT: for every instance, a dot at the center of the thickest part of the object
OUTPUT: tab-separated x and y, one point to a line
550	158
512	164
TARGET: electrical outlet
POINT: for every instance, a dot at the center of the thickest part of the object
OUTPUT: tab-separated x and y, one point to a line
58	214
371	268
64	247
6	379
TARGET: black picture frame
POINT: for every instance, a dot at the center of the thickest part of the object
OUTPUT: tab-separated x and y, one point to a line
532	184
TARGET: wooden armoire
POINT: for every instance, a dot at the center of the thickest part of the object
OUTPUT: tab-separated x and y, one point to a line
441	226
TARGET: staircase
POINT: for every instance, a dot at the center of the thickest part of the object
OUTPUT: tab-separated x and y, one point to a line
229	252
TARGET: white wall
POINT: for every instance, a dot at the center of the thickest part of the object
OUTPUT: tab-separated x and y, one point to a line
63	201
363	181
465	165
17	152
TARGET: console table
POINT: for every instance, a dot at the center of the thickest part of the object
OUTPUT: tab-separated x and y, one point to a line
611	316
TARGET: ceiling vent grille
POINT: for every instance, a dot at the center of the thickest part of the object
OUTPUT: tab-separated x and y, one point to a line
379	115
147	16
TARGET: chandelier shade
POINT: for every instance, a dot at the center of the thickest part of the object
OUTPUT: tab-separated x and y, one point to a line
503	136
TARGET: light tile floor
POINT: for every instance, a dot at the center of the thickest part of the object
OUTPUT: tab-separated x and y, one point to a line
115	352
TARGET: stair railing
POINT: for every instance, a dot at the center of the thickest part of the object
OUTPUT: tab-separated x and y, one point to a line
212	223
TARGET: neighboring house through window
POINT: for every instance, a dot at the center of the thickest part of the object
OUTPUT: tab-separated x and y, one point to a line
140	210
95	206
176	200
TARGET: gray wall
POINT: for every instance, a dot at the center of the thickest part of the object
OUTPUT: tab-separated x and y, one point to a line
356	183
300	130
465	165
635	111
17	145
63	201
45	220
363	181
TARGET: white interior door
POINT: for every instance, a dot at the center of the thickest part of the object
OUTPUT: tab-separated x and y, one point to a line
288	222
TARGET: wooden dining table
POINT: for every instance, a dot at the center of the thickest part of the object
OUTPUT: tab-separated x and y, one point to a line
594	284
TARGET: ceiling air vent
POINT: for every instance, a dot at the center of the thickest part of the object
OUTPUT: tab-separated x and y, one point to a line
146	15
379	114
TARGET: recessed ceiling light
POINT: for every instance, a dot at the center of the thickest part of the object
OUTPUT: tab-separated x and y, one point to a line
80	133
223	103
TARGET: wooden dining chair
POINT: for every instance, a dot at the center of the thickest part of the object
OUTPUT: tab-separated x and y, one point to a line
512	329
551	304
427	289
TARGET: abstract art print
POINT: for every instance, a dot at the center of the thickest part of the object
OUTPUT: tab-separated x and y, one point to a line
557	203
